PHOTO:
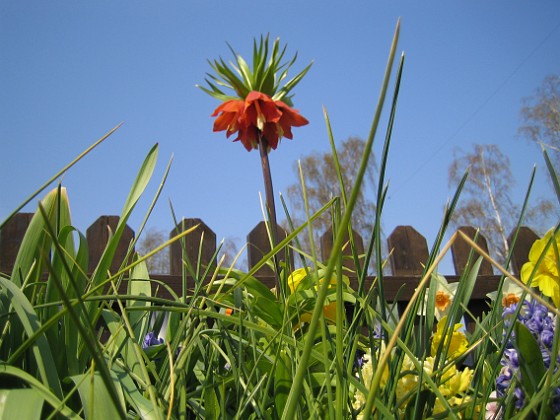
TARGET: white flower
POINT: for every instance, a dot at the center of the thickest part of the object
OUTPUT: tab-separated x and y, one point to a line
492	407
445	292
511	293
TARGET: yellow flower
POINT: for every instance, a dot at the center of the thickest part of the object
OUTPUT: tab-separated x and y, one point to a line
408	381
295	281
453	384
458	342
545	275
367	373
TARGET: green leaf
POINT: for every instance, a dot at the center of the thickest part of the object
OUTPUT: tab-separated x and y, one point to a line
136	191
95	397
139	285
553	174
41	389
211	404
282	380
142	406
30	322
121	342
36	241
20	404
530	358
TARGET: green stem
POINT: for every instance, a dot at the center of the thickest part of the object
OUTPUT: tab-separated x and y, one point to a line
270	206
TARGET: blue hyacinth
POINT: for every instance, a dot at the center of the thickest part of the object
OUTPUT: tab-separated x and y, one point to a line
151	340
540	323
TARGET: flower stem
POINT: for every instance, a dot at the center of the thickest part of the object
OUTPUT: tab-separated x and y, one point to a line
270	206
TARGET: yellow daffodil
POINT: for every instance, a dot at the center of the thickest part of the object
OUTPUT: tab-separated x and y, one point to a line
458	342
295	281
544	273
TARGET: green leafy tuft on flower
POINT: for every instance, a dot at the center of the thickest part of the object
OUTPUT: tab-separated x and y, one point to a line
265	76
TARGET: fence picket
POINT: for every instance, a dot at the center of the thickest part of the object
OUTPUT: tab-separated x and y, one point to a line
409	253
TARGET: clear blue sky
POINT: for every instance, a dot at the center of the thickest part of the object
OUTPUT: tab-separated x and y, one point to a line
73	70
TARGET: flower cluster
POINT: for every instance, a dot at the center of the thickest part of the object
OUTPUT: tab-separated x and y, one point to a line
541	325
258	114
453	384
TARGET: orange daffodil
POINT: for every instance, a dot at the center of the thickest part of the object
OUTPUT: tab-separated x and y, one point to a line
257	114
542	269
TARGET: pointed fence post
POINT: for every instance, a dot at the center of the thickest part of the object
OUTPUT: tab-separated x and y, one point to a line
97	237
520	250
200	243
259	245
327	241
11	236
462	250
408	254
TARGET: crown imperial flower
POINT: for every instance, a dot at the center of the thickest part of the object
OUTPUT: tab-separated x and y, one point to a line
260	106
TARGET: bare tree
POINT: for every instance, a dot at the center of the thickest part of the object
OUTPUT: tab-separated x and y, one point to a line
231	253
486	201
541	117
151	239
321	184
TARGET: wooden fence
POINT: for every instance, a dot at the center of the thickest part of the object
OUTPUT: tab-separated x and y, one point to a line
409	254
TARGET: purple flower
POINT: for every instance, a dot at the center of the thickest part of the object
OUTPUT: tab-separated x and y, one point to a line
540	323
151	340
547	337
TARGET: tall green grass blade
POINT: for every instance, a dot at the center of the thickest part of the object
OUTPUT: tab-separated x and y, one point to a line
376	236
294	395
83	323
136	191
553	174
20	404
59	174
30	321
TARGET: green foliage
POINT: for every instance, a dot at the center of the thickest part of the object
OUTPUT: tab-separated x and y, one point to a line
267	74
